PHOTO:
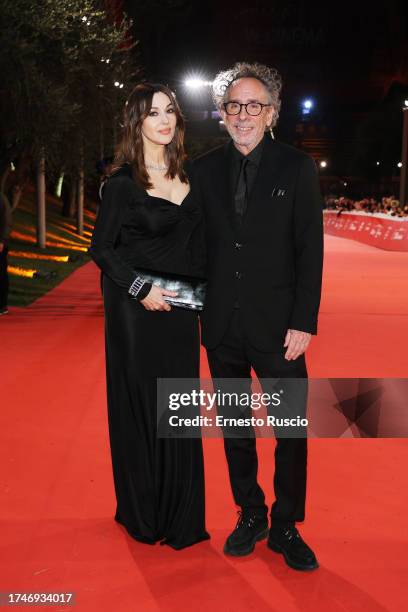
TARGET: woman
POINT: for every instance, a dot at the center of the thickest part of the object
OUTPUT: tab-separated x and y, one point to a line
149	220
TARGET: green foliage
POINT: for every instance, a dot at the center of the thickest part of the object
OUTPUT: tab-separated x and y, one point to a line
57	93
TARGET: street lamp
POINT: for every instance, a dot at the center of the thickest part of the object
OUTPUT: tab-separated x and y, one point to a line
307	106
323	163
195	83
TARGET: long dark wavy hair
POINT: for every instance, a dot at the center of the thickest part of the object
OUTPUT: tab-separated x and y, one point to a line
130	147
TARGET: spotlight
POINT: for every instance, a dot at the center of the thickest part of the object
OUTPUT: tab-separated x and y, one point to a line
195	83
307	106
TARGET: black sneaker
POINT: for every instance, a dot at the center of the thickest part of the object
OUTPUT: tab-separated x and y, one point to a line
297	553
3	310
250	529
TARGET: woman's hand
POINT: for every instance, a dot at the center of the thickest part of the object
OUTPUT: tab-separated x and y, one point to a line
154	300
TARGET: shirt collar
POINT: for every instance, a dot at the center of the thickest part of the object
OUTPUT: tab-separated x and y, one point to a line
254	156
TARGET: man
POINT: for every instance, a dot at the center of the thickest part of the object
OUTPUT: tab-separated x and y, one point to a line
5	229
263	213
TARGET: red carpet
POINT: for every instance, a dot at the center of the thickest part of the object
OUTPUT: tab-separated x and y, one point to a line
57	504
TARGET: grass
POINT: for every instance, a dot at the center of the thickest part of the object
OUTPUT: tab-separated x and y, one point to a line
62	240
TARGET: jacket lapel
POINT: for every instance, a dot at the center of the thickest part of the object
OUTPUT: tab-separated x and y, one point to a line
269	172
222	182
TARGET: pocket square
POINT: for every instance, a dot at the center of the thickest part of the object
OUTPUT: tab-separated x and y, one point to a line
276	191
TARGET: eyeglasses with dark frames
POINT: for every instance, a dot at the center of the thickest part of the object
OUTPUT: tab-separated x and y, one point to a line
252	108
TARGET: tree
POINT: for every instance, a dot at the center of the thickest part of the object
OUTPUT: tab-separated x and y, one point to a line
59	62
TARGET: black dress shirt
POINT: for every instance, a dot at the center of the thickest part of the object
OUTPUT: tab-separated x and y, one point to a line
254	158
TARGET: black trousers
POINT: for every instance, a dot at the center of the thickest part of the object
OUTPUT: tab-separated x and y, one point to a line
4	280
233	358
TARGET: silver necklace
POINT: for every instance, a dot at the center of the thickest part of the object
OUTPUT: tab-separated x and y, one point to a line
156	167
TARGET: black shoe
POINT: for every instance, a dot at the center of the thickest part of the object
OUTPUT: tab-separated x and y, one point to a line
297	553
4	310
249	530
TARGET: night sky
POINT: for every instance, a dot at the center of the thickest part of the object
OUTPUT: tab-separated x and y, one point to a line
349	57
337	49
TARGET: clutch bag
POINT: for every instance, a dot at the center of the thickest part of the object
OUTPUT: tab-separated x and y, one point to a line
190	291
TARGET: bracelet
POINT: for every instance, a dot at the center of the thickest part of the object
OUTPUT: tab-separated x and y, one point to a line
136	286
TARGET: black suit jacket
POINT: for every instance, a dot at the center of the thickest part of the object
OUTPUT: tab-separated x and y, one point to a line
272	262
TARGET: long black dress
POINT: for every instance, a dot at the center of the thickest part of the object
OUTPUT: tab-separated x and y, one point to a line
159	483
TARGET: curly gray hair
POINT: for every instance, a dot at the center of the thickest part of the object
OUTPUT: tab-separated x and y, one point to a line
269	77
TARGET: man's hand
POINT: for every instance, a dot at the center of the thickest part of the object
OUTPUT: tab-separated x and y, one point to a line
297	342
1	247
154	300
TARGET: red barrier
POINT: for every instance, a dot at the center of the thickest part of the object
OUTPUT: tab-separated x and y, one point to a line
384	232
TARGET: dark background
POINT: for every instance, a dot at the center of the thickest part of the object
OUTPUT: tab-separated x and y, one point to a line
351	58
